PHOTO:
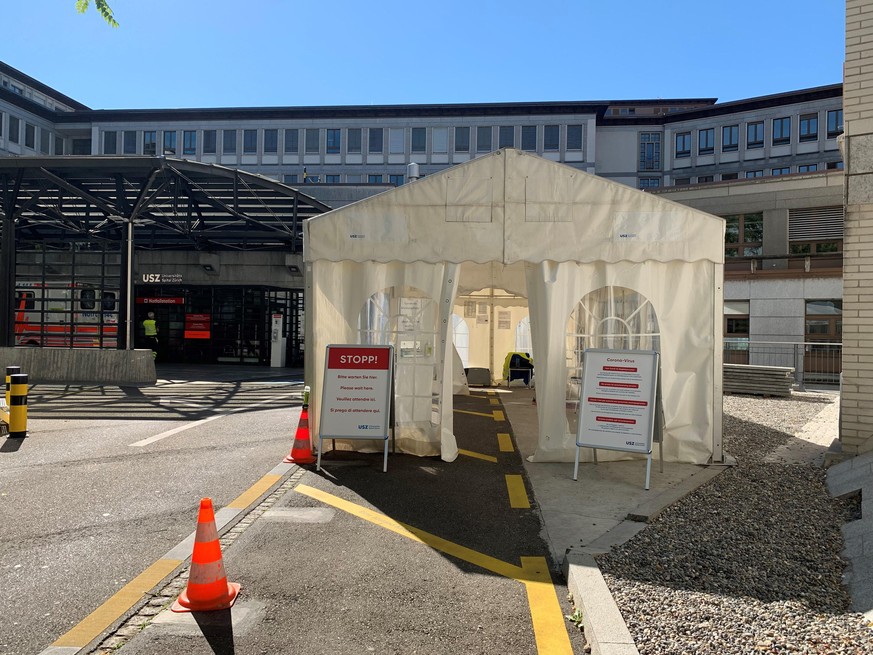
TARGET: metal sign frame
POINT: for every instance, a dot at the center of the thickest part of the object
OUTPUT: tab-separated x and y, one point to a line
367	378
620	403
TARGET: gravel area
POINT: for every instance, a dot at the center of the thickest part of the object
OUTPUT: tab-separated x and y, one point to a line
748	563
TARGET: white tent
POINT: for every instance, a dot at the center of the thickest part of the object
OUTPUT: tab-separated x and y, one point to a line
597	263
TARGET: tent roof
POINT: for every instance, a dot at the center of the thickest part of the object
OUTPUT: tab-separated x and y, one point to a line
510	206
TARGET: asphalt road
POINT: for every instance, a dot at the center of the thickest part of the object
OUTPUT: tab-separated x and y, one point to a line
110	479
87	500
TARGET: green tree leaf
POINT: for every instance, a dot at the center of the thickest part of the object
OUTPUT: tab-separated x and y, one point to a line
103	9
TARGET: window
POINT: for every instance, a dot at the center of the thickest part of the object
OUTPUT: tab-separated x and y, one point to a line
650	151
835	123
419	139
730	138
736	331
311	140
683	144
59	145
809	127
129	146
29	136
149	143
1	122
334	143
290	178
703	179
483	139
574	137
229	142
807	168
375	137
784	170
110	142
551	137
462	139
396	140
729	176
835	166
816	247
332	179
824	320
706	141
81	146
14	130
396	180
440	139
755	135
649	182
170	143
271	141
209	142
744	235
353	136
354	178
781	131
45	140
751	174
374	179
250	141
292	142
189	142
529	137
87	299
107	301
506	136
682	181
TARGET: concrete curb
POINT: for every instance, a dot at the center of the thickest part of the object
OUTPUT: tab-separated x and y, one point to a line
605	629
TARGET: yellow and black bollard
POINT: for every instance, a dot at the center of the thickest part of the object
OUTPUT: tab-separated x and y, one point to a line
10	370
18	406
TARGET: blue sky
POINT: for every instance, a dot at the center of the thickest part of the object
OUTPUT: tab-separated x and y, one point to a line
223	53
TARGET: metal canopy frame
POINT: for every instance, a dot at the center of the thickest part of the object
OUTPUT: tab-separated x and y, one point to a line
143	203
174	204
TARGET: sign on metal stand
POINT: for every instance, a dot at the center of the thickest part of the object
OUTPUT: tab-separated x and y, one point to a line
620	404
356	398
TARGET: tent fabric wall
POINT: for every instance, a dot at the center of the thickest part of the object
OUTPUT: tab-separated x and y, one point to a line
551	233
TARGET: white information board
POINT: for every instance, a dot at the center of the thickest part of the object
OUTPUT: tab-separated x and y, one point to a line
356	396
618	406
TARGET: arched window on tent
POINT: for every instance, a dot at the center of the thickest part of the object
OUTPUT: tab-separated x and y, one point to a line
461	338
523	340
610	317
406	318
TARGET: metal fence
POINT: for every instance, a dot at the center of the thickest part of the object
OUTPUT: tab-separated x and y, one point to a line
814	362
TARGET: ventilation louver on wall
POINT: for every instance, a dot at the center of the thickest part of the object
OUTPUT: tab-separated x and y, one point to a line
816	224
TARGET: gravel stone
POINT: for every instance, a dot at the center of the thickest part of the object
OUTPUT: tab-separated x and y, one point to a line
749	563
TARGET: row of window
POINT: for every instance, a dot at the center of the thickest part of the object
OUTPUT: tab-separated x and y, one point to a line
780	134
359	178
744	237
346	140
655	182
30	136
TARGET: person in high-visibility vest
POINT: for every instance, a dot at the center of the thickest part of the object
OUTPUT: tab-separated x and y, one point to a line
150	328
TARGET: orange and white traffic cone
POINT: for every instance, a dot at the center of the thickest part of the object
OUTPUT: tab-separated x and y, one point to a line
208	588
301	451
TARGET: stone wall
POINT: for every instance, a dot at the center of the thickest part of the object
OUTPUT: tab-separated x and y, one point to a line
65	366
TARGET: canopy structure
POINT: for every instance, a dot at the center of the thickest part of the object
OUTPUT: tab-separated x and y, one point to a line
511	238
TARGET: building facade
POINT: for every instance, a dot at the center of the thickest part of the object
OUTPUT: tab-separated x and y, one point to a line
770	165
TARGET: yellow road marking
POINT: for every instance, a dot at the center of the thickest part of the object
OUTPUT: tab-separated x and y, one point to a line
125	598
498	415
504	442
550	632
470	453
517	493
485	414
494	401
255	491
